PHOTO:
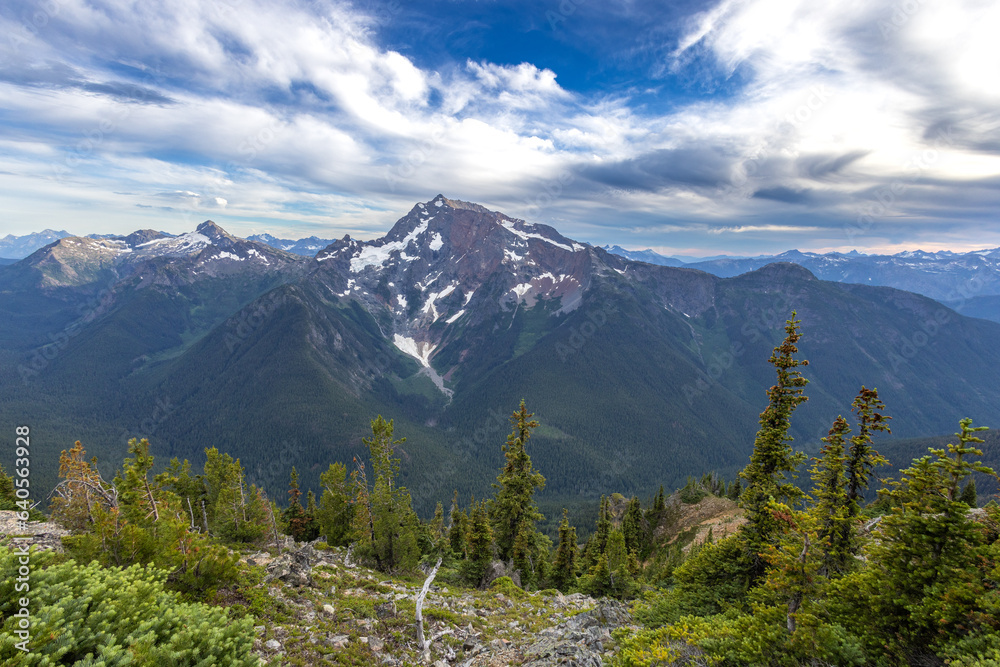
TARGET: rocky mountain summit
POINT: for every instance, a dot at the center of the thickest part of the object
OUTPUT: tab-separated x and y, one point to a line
84	263
447	264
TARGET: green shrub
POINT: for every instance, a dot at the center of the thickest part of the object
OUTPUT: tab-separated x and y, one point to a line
738	639
88	614
710	582
506	586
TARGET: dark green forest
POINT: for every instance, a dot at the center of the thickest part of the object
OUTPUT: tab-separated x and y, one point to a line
838	562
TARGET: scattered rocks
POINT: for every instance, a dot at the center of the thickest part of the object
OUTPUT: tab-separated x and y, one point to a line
272	645
293	568
579	642
44	535
386	610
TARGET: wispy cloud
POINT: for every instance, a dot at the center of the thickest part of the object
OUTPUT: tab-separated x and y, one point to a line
112	108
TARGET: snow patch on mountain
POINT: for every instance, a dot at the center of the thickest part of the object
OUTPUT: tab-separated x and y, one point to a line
509	226
420	351
378	255
183	243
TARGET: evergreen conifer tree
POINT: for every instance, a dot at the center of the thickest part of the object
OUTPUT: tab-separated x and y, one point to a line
968	495
388	525
458	531
632	527
836	530
436	526
310	526
480	545
773	460
862	457
513	509
335	512
922	586
235	510
565	564
294	515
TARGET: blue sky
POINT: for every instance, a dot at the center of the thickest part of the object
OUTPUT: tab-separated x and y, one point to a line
740	126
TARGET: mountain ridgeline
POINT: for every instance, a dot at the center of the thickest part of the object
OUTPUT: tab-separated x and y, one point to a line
640	375
967	282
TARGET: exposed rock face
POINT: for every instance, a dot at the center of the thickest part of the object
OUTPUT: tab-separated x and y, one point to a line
152	258
293	568
498	569
47	535
580	641
452	263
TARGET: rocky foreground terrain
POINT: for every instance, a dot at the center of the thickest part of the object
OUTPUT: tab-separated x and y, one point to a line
319	606
314	606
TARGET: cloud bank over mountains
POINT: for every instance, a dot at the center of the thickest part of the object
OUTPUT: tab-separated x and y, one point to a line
743	126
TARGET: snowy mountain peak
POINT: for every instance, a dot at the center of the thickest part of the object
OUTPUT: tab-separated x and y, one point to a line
212	231
447	262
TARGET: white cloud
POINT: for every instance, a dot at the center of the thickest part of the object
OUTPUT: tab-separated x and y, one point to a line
294	112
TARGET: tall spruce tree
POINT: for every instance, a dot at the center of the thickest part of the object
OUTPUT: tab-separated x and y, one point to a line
922	586
513	509
236	511
773	461
564	565
294	515
632	527
835	524
387	523
335	512
598	542
480	545
458	529
862	457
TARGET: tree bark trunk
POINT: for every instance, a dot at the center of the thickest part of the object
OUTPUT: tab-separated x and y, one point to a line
423	645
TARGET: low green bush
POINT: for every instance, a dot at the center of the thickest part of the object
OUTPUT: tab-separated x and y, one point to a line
92	615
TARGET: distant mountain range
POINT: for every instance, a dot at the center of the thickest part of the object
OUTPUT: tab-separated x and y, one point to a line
640	374
307	247
968	282
19	247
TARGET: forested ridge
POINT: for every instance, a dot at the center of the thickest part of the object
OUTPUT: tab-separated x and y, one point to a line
851	567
